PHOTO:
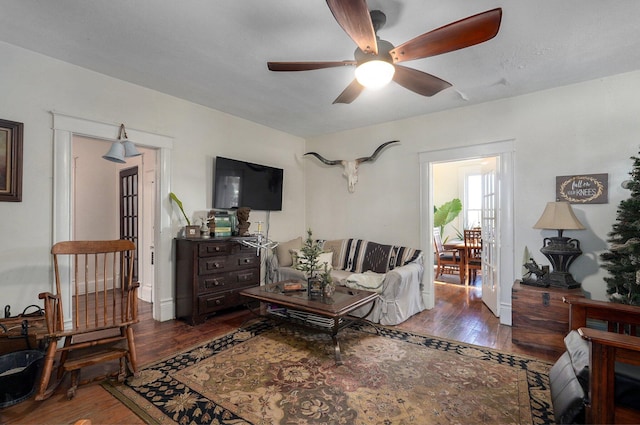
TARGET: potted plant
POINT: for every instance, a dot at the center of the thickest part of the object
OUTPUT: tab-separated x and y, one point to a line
445	214
309	264
190	232
328	287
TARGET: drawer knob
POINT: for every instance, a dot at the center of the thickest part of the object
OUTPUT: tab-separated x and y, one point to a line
218	302
212	283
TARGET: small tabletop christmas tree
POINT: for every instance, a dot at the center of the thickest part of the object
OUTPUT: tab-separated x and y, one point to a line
623	259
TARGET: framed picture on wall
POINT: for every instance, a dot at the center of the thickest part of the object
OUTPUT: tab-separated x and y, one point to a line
11	161
583	188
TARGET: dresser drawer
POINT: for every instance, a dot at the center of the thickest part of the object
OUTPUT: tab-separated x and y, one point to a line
212	302
213	265
219	301
211	249
214	283
245	276
246	260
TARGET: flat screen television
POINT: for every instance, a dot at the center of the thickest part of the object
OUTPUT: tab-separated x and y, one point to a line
245	184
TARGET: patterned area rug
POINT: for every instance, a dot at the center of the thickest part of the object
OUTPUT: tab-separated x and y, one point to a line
263	375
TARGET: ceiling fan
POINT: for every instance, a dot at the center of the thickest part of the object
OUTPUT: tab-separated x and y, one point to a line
362	26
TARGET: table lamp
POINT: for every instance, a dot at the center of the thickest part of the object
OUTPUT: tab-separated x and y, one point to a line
561	251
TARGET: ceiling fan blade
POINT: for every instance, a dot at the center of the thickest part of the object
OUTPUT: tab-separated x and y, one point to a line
306	66
353	16
418	81
457	35
350	94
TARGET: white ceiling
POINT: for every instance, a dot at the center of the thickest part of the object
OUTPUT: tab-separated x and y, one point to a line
214	53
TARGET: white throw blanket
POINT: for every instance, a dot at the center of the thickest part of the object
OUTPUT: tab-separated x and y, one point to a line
368	281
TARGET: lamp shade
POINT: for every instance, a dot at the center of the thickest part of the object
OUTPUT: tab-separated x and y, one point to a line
130	149
558	216
116	153
375	74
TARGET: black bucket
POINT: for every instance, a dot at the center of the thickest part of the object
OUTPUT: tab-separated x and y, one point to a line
19	372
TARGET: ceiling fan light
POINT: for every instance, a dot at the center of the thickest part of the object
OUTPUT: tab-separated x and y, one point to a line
375	74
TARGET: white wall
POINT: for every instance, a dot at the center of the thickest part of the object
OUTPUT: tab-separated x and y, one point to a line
96	210
592	127
33	85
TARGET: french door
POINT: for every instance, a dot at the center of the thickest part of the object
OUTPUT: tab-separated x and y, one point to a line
490	241
129	211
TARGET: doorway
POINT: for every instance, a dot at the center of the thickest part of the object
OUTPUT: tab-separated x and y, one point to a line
65	128
110	202
461	181
502	237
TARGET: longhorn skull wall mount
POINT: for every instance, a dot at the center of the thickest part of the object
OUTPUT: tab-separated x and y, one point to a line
351	166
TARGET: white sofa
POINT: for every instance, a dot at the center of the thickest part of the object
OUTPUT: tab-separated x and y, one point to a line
395	272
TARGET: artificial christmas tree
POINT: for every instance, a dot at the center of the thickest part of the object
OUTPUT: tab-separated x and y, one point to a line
623	259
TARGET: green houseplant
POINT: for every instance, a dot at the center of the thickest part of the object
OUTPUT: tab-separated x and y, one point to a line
190	232
178	202
446	213
309	264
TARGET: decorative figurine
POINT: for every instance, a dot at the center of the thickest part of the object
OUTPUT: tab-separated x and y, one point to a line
243	224
535	274
204	229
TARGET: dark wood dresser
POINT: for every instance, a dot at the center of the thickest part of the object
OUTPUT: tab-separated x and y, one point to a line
539	317
210	273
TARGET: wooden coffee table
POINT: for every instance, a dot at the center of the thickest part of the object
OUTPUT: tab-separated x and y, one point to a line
328	315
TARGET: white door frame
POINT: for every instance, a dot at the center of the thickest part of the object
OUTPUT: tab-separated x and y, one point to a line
505	151
64	128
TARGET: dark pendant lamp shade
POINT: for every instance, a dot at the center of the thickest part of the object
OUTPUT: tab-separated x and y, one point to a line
121	149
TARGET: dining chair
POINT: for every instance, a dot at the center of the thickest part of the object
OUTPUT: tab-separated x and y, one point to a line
449	261
103	298
472	254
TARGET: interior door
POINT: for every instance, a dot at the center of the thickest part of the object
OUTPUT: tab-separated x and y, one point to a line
490	238
129	211
147	228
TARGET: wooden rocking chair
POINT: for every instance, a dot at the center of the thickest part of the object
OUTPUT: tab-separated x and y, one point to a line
103	301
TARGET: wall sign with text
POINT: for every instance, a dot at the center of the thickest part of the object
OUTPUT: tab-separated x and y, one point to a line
583	189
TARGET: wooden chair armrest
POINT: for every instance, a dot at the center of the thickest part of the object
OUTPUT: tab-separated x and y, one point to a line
47	295
52	312
454	252
626	342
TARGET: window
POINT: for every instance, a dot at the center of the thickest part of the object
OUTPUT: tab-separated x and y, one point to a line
472	205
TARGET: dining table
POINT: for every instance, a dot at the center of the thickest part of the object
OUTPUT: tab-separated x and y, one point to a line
458	244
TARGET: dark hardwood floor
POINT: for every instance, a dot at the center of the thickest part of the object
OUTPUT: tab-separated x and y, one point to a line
459	315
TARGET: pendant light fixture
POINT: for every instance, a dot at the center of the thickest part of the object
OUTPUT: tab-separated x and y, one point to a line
122	148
